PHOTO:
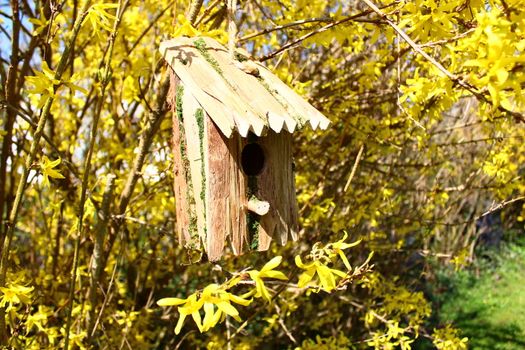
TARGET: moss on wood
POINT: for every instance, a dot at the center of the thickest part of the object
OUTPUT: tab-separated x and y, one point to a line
201	46
253	221
194	243
199	117
178	102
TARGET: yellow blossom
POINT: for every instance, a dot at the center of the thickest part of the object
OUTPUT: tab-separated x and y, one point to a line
186	29
266	272
326	274
99	18
340	245
215	301
44	83
47	166
15	294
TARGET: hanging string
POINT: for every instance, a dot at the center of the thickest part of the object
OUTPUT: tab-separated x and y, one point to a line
232	27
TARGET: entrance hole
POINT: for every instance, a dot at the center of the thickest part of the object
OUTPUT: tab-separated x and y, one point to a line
252	159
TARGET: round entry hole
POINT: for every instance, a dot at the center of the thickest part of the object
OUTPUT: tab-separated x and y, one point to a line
252	159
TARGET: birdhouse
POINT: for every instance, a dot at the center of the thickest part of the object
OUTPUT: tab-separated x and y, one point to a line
232	148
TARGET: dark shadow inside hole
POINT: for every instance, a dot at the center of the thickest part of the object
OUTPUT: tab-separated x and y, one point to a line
252	159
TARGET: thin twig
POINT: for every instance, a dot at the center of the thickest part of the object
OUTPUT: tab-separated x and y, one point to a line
354	168
151	24
106	298
232	27
494	208
283	325
46	138
450	40
152	125
98	248
284	26
12	97
206	12
194	10
296	42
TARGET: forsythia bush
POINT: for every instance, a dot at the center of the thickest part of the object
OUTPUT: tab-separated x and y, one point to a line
427	108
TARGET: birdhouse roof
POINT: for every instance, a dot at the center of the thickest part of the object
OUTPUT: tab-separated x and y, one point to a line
238	94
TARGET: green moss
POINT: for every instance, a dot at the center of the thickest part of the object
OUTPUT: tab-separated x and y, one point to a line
201	46
253	221
192	228
180	118
199	116
178	102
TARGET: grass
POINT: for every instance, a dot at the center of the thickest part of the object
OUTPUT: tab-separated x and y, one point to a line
487	301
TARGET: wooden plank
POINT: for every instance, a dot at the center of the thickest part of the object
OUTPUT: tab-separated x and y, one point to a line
304	110
237	198
180	186
217	190
210	88
246	103
250	89
174	53
276	186
267	229
193	132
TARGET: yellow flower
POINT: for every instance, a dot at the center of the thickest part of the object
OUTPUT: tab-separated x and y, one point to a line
340	245
15	294
266	272
215	301
48	170
39	318
186	29
99	17
44	83
39	24
326	275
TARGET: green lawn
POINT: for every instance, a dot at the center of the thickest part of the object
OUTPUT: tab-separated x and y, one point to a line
488	302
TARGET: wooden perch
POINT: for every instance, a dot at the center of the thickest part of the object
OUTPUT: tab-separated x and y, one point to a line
258	206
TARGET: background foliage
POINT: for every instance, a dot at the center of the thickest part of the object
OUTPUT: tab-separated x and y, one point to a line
488	295
425	145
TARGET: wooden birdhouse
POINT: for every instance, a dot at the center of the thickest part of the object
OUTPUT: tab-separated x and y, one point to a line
232	144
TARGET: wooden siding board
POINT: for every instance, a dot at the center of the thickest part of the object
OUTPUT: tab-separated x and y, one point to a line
193	151
237	199
180	186
276	186
217	191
